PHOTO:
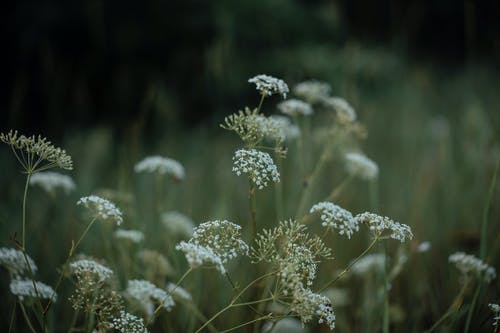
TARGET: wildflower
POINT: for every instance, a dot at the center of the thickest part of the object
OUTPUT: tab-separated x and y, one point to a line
360	165
51	181
25	288
135	236
178	292
369	263
86	268
102	208
13	260
423	247
295	107
307	304
268	85
382	224
258	165
287	130
197	255
147	294
345	112
495	308
161	165
177	224
128	323
33	151
470	265
333	216
312	91
285	325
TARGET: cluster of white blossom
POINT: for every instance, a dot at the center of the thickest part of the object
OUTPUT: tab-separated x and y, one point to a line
258	165
161	165
382	224
286	129
13	260
268	85
297	267
360	165
334	216
345	112
307	304
135	236
147	294
197	255
312	91
369	263
51	181
178	292
470	265
128	323
102	208
495	308
295	107
177	224
86	268
26	288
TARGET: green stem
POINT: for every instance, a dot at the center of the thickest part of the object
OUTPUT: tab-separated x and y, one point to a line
350	265
471	309
253	211
278	193
12	317
25	196
486	210
263	96
198	314
25	315
269	316
386	321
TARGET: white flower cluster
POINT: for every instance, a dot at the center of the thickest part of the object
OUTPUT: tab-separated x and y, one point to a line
102	208
25	288
135	236
369	263
13	260
381	224
298	266
51	181
286	129
178	292
495	308
469	264
90	268
345	111
258	165
360	165
308	304
312	91
214	242
147	294
177	224
268	85
295	107
161	165
128	323
333	216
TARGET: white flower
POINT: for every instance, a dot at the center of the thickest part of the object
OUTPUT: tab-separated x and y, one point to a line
85	267
258	165
25	288
177	224
360	165
161	165
285	127
344	110
308	304
15	262
495	308
178	292
147	294
135	236
128	323
469	264
295	107
424	247
197	255
268	85
102	208
382	224
51	181
333	216
285	325
369	263
312	91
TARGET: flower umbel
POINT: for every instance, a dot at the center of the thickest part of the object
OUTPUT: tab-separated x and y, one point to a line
380	225
128	323
268	85
259	167
295	107
51	181
470	265
161	165
177	224
25	288
336	217
15	262
495	308
134	236
360	165
90	269
102	209
147	294
312	91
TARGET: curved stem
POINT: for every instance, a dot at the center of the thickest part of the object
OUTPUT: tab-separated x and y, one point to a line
486	210
269	316
471	309
261	101
25	315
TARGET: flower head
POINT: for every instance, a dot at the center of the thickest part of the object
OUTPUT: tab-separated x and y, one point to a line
307	304
345	112
361	166
128	323
102	209
90	269
495	308
197	255
36	153
178	292
287	130
161	165
333	216
295	107
268	85
259	167
13	260
312	91
147	294
380	225
25	288
134	236
51	181
177	224
470	265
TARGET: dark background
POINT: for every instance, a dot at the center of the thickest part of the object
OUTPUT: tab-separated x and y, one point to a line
76	64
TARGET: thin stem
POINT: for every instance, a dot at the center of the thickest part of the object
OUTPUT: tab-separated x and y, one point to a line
24	207
385	321
269	316
278	193
375	240
198	314
486	210
73	321
253	302
471	309
12	317
25	315
261	101
253	211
